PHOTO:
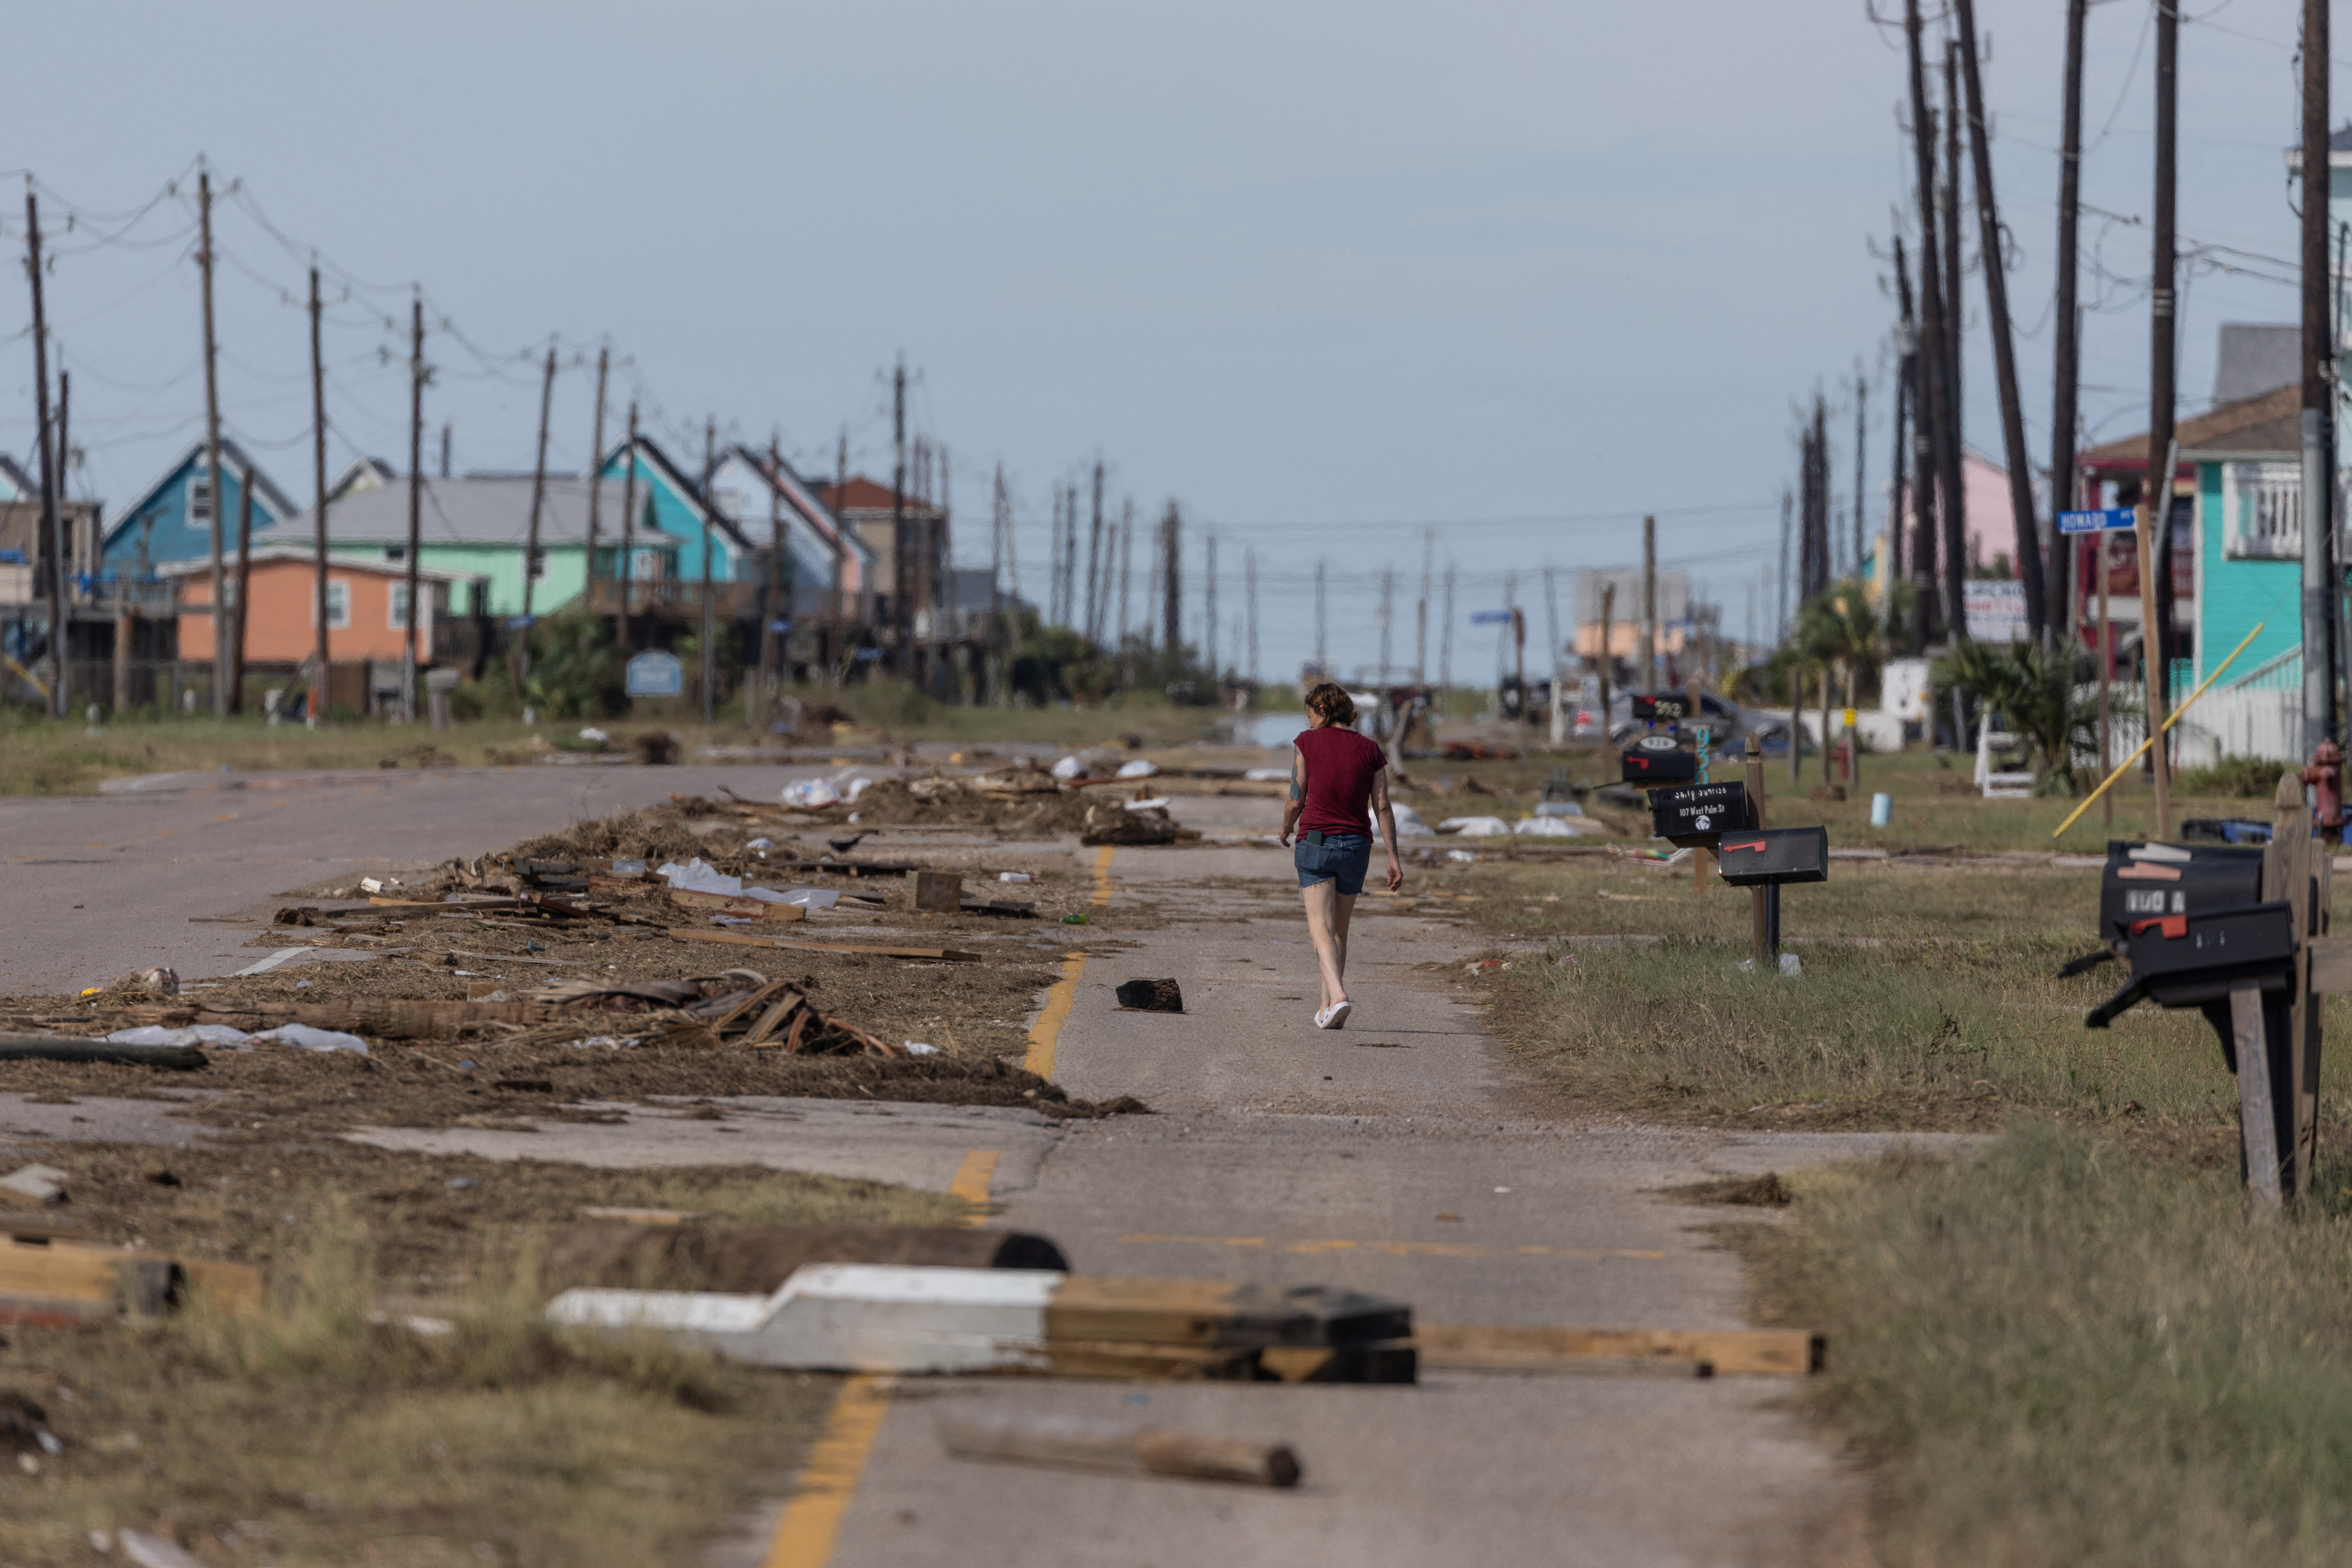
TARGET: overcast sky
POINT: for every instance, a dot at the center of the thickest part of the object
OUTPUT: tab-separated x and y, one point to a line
1329	275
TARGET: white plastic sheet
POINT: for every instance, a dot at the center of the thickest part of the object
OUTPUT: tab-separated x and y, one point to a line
1137	769
1069	768
809	793
698	876
193	1035
303	1037
1556	827
1474	826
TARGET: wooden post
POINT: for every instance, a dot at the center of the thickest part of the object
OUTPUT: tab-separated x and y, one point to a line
123	641
1759	920
2256	1133
2288	875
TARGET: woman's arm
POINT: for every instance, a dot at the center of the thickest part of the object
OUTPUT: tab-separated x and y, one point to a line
1297	801
1387	815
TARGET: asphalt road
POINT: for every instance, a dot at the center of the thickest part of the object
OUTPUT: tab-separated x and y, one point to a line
1404	1155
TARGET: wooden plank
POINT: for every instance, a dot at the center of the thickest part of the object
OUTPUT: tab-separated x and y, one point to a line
745	939
460	907
2331	964
63	1271
1152	1311
234	1288
1784	1352
757	909
2257	1134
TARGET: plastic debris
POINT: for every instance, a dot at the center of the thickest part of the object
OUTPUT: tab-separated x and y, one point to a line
628	867
856	788
1474	826
1157	803
1137	769
1555	828
761	844
698	876
594	734
1559	808
162	980
1409	825
1069	768
917	1048
806	897
809	793
1013	876
1267	776
303	1037
1462	857
193	1035
1076	918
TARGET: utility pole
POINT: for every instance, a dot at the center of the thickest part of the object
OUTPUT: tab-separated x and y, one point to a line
531	556
629	565
2066	321
2004	354
779	605
244	573
834	660
1171	583
1446	642
1608	632
902	625
1387	615
1780	586
710	607
52	535
596	479
62	537
1861	444
1924	400
1322	662
1906	356
1209	605
1249	583
445	448
320	684
2318	353
1934	493
1649	673
1955	320
1420	610
1095	581
2156	508
1558	704
999	519
1125	562
212	445
408	649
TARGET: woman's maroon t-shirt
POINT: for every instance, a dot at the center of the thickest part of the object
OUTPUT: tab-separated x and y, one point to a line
1340	768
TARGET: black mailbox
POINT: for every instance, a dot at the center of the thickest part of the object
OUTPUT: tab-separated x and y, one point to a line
2144	882
1659	759
1771	856
2249	938
1696	813
1662	708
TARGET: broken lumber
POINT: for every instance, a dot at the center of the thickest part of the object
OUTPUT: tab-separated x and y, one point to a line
1784	1352
729	903
935	892
60	1282
745	939
759	1258
68	1048
1082	1442
857	1317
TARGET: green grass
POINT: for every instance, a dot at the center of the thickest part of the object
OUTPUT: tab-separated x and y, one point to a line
2060	1352
1929	998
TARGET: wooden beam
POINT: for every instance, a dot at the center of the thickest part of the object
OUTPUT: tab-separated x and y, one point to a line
726	903
744	938
1786	1352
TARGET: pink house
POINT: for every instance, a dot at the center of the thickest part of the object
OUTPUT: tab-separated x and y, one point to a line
1991	521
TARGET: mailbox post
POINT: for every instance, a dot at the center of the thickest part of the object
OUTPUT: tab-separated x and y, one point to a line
1764	903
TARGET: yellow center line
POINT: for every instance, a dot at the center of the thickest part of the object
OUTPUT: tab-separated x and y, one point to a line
970	1183
1049	1029
1402	1248
1102	876
811	1523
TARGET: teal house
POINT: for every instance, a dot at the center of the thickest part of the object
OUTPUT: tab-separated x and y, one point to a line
672	503
2247	458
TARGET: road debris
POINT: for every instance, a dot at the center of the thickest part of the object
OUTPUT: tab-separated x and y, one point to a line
1089	1443
1150	997
33	1186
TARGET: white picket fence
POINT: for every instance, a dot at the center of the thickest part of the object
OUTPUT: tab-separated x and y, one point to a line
2258	715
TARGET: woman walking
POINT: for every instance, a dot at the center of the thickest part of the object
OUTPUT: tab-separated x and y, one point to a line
1337	781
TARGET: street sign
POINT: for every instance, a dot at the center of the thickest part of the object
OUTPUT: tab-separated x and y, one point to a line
1490	617
2107	520
656	674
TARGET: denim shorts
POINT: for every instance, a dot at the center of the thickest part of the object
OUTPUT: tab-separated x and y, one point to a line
1347	856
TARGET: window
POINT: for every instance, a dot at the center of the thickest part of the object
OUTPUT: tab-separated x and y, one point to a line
338	607
538	563
2262	511
395	553
396	617
200	498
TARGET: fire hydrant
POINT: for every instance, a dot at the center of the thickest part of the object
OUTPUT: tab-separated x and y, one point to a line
2326	775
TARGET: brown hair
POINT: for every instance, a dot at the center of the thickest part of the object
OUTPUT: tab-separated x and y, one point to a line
1330	701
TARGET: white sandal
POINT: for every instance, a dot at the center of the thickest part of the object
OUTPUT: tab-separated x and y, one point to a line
1335	1016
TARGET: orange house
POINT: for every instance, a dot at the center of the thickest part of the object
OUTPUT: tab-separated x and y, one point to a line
367	607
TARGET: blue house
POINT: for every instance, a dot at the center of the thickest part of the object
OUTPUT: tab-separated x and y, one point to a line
172	519
671	501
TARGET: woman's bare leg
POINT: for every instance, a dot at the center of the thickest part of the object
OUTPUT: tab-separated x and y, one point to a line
1327	925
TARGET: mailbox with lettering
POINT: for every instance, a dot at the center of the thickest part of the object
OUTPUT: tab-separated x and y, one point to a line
1771	856
1659	759
1695	815
2143	880
1661	707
